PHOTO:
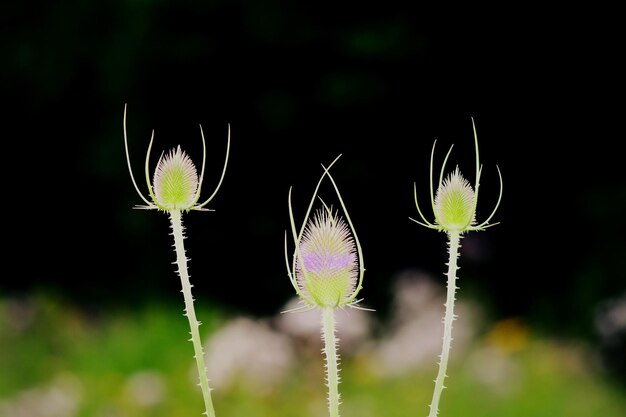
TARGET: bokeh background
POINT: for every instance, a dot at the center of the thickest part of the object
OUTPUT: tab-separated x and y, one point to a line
89	302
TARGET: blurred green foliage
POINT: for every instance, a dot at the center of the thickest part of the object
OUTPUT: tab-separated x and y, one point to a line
137	363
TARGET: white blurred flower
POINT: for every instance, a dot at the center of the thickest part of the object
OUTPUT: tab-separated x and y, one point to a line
60	398
250	352
146	388
353	326
611	317
415	329
493	367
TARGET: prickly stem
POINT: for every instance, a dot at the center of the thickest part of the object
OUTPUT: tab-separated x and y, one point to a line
454	240
332	360
190	313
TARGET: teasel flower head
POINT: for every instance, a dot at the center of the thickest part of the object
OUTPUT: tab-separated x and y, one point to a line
176	185
326	269
175	181
454	204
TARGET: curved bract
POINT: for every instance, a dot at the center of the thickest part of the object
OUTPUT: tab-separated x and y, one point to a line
176	185
327	268
454	204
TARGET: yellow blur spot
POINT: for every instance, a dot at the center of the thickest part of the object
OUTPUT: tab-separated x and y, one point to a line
509	335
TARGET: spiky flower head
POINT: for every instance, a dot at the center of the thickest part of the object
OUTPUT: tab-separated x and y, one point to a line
176	185
327	265
175	181
454	204
327	269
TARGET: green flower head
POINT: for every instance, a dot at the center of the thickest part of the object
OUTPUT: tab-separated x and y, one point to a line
175	181
175	185
327	264
454	204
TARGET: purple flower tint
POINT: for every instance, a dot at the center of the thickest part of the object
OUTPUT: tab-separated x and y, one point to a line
328	253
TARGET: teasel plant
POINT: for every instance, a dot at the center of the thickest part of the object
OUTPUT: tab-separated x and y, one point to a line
454	207
326	271
174	190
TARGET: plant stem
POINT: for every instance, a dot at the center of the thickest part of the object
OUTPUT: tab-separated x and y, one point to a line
194	324
332	359
454	239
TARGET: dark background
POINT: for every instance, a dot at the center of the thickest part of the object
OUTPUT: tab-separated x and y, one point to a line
300	83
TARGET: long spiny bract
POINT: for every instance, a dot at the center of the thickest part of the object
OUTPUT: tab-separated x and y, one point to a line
456	200
176	185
